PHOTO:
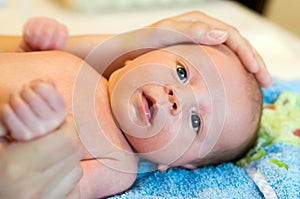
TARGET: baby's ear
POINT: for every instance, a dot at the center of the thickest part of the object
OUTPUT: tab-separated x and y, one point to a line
189	166
162	167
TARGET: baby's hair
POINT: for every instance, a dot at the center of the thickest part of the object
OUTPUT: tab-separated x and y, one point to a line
233	154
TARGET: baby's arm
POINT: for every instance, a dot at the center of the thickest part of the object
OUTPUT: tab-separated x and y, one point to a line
36	110
104	177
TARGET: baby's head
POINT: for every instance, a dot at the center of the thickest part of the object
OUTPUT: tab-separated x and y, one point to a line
187	105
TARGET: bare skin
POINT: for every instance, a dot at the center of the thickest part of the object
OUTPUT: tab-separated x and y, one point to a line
38	109
98	162
19	167
196	25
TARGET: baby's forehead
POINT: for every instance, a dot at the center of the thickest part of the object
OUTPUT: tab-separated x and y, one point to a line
196	57
189	52
200	54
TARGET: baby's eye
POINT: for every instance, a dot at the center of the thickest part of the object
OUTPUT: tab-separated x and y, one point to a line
181	72
196	122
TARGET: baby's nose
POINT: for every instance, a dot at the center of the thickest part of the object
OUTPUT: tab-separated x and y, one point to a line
173	99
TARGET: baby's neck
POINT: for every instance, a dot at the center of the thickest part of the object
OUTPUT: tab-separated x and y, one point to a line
100	124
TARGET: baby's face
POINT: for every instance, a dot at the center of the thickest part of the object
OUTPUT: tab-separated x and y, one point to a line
180	103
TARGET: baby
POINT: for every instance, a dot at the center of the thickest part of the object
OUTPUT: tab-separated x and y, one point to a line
176	106
187	105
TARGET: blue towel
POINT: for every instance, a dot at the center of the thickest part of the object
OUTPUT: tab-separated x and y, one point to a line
279	169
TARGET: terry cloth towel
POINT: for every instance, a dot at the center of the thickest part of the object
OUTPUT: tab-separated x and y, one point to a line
271	169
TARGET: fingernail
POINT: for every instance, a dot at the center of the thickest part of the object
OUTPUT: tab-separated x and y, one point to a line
267	80
255	67
218	34
27	135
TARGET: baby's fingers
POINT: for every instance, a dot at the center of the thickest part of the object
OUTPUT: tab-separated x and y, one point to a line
22	120
17	128
33	34
67	186
36	110
51	96
59	38
47	103
43	33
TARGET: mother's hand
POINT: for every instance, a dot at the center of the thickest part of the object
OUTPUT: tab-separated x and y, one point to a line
47	167
203	29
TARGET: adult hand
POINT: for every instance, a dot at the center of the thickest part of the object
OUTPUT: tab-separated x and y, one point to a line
47	167
207	30
194	26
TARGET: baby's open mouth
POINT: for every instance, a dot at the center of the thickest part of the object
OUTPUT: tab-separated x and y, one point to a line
148	107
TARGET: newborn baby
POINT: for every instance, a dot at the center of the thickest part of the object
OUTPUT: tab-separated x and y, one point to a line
187	105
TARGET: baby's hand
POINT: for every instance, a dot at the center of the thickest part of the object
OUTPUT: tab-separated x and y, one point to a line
41	33
204	29
37	109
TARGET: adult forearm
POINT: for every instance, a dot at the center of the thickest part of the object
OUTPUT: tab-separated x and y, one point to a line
9	43
107	53
82	45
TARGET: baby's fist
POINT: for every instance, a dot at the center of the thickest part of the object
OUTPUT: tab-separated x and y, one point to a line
36	110
41	33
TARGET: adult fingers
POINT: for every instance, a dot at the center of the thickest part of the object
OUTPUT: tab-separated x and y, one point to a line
24	180
235	41
56	146
36	166
250	58
74	194
189	31
62	177
263	76
67	187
